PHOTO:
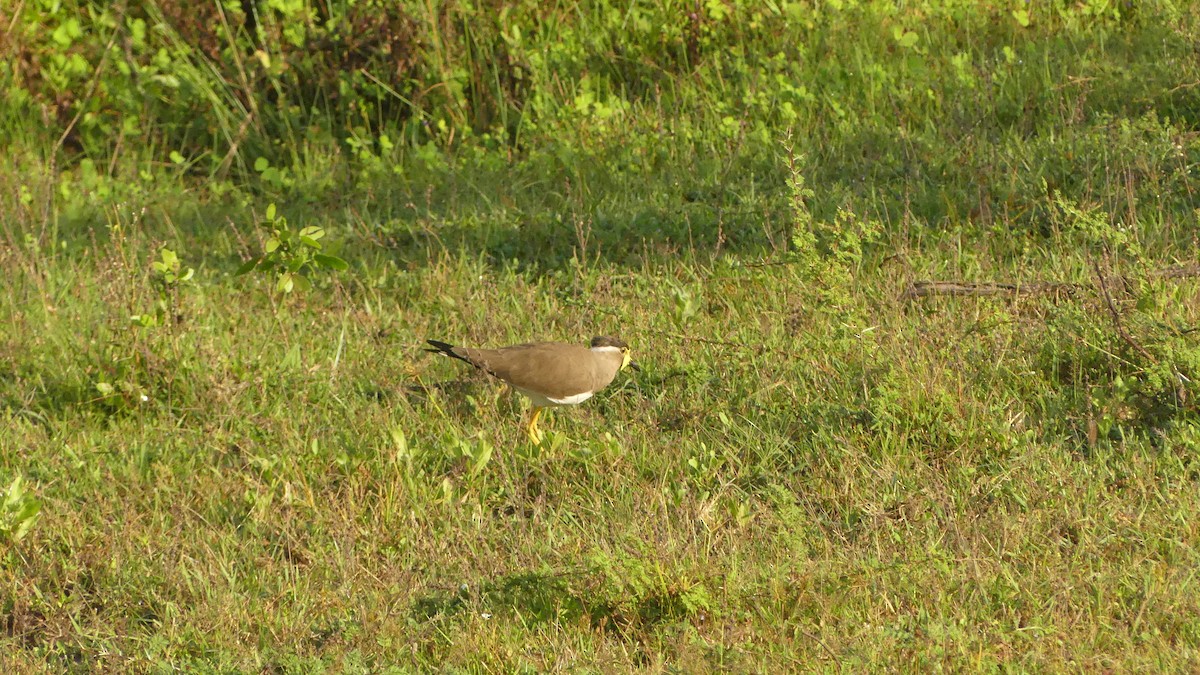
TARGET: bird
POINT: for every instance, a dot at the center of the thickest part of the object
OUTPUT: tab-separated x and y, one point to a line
548	373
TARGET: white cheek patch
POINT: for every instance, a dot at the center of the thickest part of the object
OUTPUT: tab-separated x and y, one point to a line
607	349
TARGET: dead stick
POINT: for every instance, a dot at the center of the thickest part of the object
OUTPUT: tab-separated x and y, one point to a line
920	289
1178	272
1102	283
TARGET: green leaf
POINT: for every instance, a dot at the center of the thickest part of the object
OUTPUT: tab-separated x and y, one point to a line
270	207
331	261
906	39
310	242
188	275
401	443
313	231
271	245
482	458
247	266
66	33
166	80
302	283
285	283
18	511
261	164
176	157
14	494
26	517
105	388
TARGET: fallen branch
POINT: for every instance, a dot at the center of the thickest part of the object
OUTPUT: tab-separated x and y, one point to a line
921	289
1178	272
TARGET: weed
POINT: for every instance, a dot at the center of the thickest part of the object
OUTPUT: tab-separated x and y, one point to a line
18	512
166	278
291	255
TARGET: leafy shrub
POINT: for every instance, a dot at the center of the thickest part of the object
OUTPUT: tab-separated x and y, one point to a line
1122	347
291	255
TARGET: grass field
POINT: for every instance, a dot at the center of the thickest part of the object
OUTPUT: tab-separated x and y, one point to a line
824	464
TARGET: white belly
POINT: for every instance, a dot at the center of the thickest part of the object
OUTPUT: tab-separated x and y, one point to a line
545	402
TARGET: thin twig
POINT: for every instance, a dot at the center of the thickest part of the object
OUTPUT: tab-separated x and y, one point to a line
52	165
227	160
252	115
1102	283
824	646
16	18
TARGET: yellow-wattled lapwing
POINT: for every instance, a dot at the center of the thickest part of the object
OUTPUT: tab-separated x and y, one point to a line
548	373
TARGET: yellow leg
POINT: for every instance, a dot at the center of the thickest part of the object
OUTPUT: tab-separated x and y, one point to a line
531	429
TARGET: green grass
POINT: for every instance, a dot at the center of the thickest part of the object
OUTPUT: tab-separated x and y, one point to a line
886	484
813	471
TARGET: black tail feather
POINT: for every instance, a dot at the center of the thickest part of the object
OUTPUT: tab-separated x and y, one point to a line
447	349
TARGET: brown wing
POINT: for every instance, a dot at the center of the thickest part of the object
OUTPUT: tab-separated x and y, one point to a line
553	369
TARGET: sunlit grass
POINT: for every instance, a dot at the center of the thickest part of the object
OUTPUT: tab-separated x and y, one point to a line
779	486
814	470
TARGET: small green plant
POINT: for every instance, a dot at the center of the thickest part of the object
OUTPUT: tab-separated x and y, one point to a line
276	177
640	590
828	253
166	277
291	255
134	364
475	454
1125	343
18	512
703	469
741	511
166	270
686	304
